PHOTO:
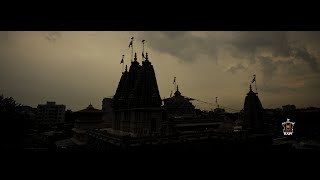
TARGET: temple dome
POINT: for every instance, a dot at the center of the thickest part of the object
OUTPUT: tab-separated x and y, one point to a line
179	105
89	109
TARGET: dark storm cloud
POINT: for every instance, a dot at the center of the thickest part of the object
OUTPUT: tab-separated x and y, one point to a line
182	45
268	67
276	89
314	83
236	68
175	34
249	46
187	46
53	36
303	54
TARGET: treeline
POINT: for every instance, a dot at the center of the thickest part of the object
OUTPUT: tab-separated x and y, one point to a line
12	124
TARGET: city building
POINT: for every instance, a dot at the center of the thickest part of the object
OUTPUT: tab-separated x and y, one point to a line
29	114
288	107
50	114
69	117
88	118
107	111
275	119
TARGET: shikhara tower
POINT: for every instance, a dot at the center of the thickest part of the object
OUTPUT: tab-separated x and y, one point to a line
253	113
137	103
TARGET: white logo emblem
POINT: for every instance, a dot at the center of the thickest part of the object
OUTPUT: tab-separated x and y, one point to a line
288	127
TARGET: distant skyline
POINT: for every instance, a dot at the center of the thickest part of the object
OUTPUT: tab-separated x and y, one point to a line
82	67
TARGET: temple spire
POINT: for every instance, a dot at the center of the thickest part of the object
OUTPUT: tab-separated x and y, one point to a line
174	83
143	49
122	62
135	56
177	93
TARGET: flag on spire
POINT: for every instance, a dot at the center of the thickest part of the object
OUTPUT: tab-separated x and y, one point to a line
131	42
143	48
122	59
254	79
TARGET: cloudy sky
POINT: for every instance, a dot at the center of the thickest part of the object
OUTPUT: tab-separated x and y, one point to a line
76	68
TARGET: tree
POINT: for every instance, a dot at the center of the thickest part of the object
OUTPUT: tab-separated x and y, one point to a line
11	128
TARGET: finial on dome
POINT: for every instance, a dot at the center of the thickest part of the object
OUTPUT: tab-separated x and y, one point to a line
177	93
135	56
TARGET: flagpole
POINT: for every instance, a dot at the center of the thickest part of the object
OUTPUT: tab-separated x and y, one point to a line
255	83
122	62
131	44
174	84
132	51
143	48
122	67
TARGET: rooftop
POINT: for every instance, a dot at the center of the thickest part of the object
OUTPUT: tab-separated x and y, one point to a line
89	109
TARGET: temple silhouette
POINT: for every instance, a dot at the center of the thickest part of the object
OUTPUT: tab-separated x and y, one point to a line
137	103
141	120
136	118
253	113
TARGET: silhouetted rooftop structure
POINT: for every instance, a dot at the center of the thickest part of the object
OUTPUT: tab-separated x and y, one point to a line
137	103
89	109
179	105
253	112
289	107
138	87
87	118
